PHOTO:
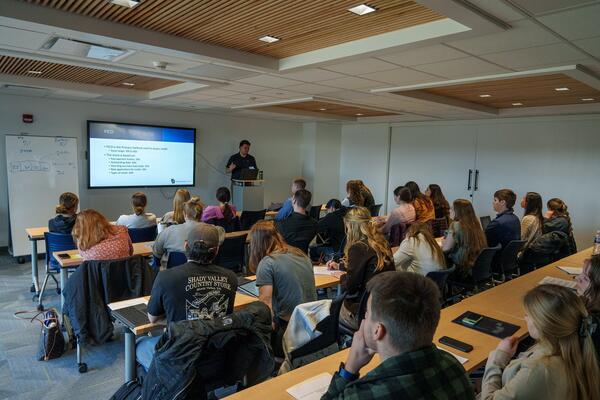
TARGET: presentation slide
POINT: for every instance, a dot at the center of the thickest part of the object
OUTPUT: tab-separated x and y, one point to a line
123	155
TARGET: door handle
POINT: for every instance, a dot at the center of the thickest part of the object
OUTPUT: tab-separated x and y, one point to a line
476	179
469	183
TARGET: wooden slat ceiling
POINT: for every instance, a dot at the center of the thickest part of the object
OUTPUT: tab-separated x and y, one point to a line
301	25
535	91
70	73
324	107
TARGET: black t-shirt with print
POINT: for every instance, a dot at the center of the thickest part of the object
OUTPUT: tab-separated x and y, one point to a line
240	164
193	291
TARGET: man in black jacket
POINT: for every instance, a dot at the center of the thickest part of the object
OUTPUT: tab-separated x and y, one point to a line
332	231
299	229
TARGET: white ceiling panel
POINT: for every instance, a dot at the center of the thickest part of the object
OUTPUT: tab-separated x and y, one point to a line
269	81
546	6
424	55
352	83
363	66
212	92
401	76
312	75
145	59
461	68
524	34
231	101
555	54
280	93
579	23
243	87
591	45
20	38
220	72
310	88
499	9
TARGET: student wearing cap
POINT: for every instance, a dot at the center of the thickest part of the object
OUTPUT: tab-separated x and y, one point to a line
197	289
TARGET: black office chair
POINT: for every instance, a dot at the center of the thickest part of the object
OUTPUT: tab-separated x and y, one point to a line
315	212
138	235
232	253
233	225
175	259
506	263
441	280
374	210
481	273
249	218
344	329
54	242
485	220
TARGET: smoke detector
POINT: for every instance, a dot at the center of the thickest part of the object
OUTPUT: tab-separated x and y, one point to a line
160	64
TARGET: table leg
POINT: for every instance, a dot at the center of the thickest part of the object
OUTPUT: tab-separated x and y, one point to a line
63	283
129	356
34	266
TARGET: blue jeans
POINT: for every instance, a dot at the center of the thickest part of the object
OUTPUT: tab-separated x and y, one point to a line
144	350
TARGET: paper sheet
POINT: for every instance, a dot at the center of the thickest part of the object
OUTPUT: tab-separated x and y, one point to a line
460	359
571	270
312	388
557	281
324	271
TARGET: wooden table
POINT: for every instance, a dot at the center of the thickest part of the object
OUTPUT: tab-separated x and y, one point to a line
35	234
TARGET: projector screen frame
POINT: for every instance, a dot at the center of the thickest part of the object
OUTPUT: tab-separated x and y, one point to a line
88	156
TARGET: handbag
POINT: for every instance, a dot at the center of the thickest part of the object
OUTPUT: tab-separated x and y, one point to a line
52	341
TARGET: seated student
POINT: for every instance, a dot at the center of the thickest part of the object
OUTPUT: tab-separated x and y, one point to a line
440	204
403	311
139	218
197	289
465	238
532	222
423	204
557	218
366	254
66	213
561	365
224	210
299	229
284	276
176	216
173	238
506	226
288	209
419	252
404	213
331	229
358	195
366	193
97	239
588	286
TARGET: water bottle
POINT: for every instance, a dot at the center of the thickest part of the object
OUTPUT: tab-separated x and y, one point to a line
596	249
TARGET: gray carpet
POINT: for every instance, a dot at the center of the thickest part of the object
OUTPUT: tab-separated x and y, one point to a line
21	375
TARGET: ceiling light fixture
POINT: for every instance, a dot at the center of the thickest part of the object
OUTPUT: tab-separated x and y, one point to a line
561	89
269	39
517	104
362	9
485	95
34	72
588	99
359	114
322	109
128	84
125	3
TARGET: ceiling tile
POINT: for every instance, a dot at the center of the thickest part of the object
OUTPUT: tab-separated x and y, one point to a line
243	87
312	75
310	88
213	93
402	76
461	68
579	23
555	55
220	72
145	59
591	45
21	38
280	93
538	7
269	81
351	83
499	9
423	55
524	34
363	66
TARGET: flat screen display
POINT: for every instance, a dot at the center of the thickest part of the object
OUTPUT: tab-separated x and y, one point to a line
131	155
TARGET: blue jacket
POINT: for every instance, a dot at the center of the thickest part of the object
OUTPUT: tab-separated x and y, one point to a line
503	229
285	211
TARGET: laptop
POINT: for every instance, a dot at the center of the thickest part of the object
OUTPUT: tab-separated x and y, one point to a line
249	288
485	221
248	174
132	316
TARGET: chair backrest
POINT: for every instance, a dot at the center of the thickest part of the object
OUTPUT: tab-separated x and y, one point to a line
57	242
441	278
482	268
508	255
176	258
249	218
439	226
315	212
397	233
143	234
374	210
232	226
485	220
232	253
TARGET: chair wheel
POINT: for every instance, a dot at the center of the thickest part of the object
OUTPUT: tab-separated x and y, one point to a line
40	307
58	290
82	368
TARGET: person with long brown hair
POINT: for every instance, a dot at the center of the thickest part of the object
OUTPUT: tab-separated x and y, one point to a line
358	194
284	276
97	239
588	286
561	365
533	220
366	254
423	204
440	204
419	252
66	214
465	238
177	216
139	218
557	218
224	210
403	214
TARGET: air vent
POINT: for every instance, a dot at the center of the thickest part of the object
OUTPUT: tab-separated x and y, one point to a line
84	49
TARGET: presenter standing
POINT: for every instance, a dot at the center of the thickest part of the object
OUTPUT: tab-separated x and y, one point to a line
240	161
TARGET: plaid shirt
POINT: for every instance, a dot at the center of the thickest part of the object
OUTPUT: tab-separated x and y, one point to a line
427	373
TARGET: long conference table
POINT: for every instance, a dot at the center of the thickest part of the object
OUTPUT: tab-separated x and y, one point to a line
503	302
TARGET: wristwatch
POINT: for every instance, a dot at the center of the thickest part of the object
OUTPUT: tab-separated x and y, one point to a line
345	374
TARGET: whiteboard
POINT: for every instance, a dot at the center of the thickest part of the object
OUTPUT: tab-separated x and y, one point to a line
39	169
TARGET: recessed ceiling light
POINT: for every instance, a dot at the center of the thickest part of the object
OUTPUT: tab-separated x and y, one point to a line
485	95
128	84
362	9
34	72
517	104
269	39
359	114
562	89
322	109
126	3
588	99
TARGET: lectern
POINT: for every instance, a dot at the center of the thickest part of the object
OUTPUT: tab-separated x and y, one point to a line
248	195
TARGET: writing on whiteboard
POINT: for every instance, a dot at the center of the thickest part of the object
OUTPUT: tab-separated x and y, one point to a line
29	166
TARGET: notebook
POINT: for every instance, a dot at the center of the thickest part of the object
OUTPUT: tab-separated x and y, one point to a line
312	388
571	270
550	280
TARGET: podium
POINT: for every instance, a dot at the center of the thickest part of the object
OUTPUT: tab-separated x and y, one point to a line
248	195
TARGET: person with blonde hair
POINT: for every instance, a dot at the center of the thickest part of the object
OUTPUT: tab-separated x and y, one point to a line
177	215
66	213
284	276
561	365
139	218
419	252
97	239
588	287
366	254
